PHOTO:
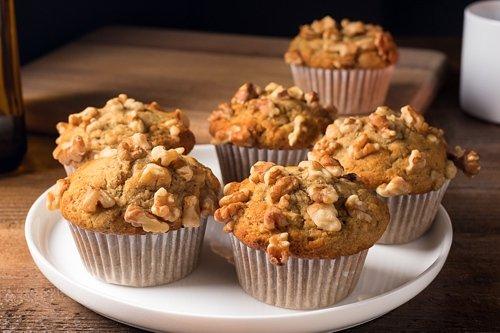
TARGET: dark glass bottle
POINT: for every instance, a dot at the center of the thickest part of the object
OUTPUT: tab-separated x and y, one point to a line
12	127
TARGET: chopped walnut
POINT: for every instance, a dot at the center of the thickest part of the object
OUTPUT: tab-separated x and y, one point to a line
138	217
245	93
258	170
438	179
190	212
466	160
322	193
278	248
140	140
274	219
165	206
315	170
283	185
225	214
71	151
231	188
413	119
295	92
55	194
397	186
311	97
332	165
238	196
164	156
416	161
361	147
356	208
155	176
293	137
273	174
324	216
95	196
378	120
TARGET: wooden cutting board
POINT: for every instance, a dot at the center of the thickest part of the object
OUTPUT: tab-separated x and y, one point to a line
188	70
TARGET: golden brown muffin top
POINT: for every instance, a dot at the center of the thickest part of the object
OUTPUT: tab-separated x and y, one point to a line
393	152
273	118
352	44
95	133
306	211
135	192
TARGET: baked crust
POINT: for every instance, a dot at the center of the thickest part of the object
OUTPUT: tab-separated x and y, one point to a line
308	211
135	192
95	132
273	118
392	152
352	44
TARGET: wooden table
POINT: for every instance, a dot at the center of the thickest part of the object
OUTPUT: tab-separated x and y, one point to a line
465	295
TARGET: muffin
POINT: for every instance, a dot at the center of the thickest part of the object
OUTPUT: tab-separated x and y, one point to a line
349	65
137	218
401	157
296	228
95	133
275	124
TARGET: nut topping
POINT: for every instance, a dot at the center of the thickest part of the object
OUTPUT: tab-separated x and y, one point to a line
397	186
278	249
138	217
324	216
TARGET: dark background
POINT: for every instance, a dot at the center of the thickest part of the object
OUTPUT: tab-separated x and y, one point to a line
45	25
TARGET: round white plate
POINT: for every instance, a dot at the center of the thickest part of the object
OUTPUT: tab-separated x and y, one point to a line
210	299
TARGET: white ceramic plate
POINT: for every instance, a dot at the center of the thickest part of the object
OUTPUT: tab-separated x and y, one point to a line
210	299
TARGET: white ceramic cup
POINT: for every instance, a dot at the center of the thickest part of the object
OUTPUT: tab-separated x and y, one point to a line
480	70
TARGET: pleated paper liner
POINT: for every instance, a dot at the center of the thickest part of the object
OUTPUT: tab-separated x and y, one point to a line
351	91
235	162
140	260
411	215
302	284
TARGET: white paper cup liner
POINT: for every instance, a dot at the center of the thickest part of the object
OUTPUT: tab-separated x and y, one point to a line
351	91
140	260
411	215
235	162
301	284
69	169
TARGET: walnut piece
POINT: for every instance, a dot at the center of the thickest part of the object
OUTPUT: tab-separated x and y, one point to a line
466	160
71	151
95	196
278	249
55	194
294	136
190	212
245	93
397	186
226	214
139	217
324	216
239	196
413	119
283	186
416	161
274	219
164	205
356	208
165	157
154	176
322	193
258	170
361	147
274	173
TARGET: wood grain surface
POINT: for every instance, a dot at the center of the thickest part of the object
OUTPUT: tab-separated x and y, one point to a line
464	296
191	71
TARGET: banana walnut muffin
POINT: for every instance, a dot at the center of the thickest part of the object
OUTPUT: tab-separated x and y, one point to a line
395	153
309	211
274	117
136	191
95	132
350	44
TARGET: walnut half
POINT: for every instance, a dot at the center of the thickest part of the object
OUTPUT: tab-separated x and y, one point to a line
278	249
139	217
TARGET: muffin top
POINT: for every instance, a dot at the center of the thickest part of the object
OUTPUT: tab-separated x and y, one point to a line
134	192
352	44
95	133
273	118
307	211
393	152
